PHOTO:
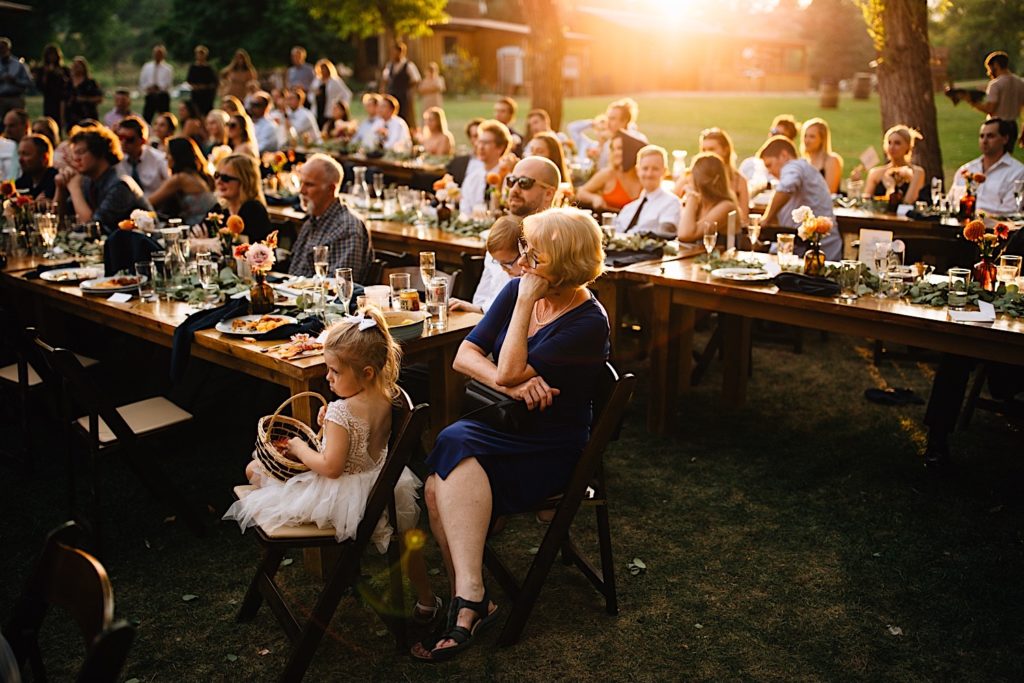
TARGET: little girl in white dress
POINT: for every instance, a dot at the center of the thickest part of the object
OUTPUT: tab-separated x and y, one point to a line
362	368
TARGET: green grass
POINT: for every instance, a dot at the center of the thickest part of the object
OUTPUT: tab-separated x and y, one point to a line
675	120
781	540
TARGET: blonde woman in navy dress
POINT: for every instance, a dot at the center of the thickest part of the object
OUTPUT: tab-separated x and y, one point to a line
544	341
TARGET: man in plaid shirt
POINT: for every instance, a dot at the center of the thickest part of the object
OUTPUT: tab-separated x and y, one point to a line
329	223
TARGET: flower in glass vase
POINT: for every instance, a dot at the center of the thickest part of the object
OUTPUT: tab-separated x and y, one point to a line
231	233
8	189
990	244
811	229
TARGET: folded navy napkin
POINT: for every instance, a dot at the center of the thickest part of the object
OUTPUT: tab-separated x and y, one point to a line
34	274
125	248
277	200
181	345
617	259
806	284
918	216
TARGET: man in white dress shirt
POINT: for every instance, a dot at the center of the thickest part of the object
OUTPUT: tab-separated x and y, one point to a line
655	210
144	164
156	80
366	133
397	137
492	143
302	120
995	195
268	133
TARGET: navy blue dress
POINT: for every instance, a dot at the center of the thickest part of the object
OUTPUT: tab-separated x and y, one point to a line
526	468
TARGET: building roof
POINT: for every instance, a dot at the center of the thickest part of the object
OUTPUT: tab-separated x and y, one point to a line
680	24
504	26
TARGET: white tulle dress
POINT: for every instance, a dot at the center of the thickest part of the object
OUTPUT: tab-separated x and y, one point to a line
310	497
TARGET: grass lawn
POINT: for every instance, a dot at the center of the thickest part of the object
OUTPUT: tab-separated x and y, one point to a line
798	538
675	120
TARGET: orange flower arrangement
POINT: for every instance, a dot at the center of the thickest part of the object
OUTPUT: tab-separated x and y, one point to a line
235	225
493	179
443	182
7	188
127	224
974	230
989	243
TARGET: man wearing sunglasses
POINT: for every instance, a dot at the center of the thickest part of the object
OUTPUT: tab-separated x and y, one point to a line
144	164
532	186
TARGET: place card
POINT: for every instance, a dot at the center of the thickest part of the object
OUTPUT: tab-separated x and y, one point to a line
986	313
869	158
120	298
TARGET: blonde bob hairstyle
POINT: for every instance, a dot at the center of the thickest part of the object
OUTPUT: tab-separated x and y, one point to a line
248	171
571	239
372	348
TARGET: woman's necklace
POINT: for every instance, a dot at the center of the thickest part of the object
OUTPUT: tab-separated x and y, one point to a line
536	318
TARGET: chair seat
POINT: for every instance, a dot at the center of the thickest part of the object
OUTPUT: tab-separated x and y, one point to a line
9	373
142	417
309	530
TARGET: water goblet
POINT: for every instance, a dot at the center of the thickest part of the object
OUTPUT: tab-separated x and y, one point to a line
46	224
428	267
709	229
344	285
207	270
378	189
754	230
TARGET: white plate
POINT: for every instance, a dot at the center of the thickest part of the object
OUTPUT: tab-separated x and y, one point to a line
224	326
71	275
95	286
742	274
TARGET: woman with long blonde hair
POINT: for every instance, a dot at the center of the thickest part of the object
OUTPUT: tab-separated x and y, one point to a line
240	193
242	135
899	171
816	147
435	136
717	141
709	196
237	75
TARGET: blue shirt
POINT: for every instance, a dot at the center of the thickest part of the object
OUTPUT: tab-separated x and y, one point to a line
807	187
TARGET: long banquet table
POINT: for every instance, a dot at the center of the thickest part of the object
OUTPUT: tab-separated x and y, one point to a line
156	322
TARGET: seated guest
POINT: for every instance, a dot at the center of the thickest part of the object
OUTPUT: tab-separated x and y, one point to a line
329	224
146	165
394	132
37	179
98	192
655	210
616	185
242	136
216	128
546	144
492	143
435	136
48	128
621	115
717	141
544	340
799	185
505	111
709	197
816	147
537	121
268	133
588	147
366	133
233	105
190	121
899	173
300	118
996	162
16	125
500	265
241	194
165	127
472	128
338	124
785	125
532	186
122	108
188	193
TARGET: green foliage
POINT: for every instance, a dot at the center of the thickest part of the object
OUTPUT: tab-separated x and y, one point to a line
365	18
840	45
973	28
461	72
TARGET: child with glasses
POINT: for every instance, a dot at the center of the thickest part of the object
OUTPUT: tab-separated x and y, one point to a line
500	265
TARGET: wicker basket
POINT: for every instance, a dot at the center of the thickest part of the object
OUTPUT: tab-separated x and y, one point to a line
276	426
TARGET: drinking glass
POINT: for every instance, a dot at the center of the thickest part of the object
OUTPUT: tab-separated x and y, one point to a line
785	250
144	271
854	189
344	285
390	201
1006	274
754	229
378	295
378	187
362	303
1011	260
428	265
437	303
880	263
207	270
607	219
161	275
897	283
959	285
46	223
1018	194
709	229
399	282
937	193
849	279
320	261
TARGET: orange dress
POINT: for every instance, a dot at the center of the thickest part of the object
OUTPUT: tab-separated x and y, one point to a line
618	197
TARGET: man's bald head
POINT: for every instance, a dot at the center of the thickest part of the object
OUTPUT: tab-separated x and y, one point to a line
546	177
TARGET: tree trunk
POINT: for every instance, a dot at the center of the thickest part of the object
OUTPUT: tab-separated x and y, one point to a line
905	78
546	52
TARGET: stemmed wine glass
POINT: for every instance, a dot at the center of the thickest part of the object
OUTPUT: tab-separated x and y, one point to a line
46	224
881	263
710	231
754	230
378	189
320	263
936	192
344	285
1018	194
428	264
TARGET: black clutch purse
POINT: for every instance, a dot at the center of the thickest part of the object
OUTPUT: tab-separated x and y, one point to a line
495	409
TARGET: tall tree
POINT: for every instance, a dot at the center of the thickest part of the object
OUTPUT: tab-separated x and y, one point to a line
837	50
365	18
546	54
899	29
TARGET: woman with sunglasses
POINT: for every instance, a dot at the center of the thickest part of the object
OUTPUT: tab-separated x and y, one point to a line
242	135
240	193
501	264
548	337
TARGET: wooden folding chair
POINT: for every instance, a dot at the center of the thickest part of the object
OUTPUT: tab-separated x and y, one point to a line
407	425
67	577
587	483
469	276
123	430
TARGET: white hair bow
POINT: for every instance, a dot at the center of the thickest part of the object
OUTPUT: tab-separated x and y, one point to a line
361	320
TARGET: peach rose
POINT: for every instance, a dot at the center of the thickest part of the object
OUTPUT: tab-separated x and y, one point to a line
271	240
235	224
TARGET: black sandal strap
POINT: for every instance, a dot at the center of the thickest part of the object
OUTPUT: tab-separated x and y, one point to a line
480	607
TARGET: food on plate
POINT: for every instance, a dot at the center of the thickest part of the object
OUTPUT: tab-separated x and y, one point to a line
301	345
116	282
263	324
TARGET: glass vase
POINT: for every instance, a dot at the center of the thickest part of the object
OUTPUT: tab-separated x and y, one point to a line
814	261
984	273
261	296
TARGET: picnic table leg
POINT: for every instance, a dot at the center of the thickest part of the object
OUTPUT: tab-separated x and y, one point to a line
446	390
608	292
671	357
736	361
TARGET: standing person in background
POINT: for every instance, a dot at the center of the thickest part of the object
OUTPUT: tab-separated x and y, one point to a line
156	80
122	109
52	80
300	73
83	94
328	88
236	76
432	88
1004	96
14	79
400	78
203	80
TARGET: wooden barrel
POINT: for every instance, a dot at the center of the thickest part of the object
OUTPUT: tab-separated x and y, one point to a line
829	95
861	86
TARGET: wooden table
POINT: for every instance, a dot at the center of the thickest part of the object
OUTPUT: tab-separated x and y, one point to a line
155	322
402	237
412	173
681	287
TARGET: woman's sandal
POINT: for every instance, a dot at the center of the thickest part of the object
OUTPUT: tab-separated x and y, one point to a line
423	615
463	637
